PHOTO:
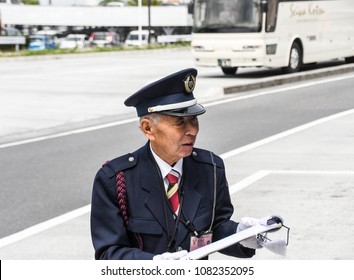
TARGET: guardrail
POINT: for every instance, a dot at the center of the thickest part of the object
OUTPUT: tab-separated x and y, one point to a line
13	40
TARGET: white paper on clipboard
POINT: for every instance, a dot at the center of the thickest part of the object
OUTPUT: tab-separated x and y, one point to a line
263	227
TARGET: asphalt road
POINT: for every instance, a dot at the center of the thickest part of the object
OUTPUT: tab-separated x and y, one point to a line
63	92
44	179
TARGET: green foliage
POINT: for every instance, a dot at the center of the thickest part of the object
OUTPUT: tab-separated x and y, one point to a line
105	2
30	2
145	2
133	2
11	53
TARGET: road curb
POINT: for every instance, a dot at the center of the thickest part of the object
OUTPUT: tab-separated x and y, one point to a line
291	78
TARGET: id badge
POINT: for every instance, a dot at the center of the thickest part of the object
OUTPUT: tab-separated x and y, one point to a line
198	242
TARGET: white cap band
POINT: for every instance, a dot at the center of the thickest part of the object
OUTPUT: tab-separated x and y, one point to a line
173	106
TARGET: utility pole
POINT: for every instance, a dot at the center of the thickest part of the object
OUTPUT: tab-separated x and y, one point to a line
140	22
0	23
149	21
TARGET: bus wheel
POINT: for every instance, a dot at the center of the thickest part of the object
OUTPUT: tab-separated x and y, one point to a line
349	59
229	70
295	59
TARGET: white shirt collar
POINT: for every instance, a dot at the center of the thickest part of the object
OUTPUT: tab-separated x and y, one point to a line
165	168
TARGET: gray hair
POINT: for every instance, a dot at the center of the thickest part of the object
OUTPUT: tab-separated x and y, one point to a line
154	117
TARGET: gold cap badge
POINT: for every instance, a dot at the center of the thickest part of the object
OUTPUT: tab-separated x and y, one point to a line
189	83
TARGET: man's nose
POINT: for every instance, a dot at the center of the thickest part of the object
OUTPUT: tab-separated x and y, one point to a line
192	127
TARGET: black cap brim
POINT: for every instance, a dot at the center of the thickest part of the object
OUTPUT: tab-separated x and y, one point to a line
194	110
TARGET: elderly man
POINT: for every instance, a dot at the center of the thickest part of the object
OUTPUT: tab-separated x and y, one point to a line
168	197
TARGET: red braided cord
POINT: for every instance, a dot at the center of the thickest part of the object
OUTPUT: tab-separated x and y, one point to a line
122	202
140	241
122	196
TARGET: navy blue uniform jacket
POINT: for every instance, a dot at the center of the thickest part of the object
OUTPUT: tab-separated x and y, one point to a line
146	201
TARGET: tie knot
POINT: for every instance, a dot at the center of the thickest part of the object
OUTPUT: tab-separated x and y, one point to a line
172	177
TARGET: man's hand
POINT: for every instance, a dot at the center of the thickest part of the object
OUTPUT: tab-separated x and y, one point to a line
251	242
171	256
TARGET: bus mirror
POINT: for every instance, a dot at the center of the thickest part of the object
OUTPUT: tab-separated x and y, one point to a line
264	5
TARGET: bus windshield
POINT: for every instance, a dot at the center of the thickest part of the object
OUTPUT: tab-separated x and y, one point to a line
226	16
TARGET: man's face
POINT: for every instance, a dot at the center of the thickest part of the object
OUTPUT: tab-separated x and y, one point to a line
173	137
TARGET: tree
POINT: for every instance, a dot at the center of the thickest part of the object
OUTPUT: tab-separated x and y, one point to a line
105	2
145	2
132	2
30	2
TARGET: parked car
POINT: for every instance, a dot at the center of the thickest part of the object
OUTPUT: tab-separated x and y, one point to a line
51	33
73	41
104	39
135	40
10	31
10	38
41	42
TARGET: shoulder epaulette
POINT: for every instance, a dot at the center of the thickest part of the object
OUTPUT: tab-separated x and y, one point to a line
119	164
205	156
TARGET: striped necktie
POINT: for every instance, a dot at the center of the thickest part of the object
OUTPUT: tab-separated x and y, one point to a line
172	190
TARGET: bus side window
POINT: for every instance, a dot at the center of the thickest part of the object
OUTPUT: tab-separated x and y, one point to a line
272	15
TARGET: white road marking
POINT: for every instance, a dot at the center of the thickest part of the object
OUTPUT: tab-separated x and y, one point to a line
215	103
284	134
248	181
234	188
67	133
263	173
44	226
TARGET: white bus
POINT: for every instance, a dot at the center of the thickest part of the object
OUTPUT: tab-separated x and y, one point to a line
271	33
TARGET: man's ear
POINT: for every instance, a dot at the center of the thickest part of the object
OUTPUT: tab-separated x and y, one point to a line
146	128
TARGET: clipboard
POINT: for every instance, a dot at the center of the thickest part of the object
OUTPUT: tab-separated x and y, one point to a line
266	224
